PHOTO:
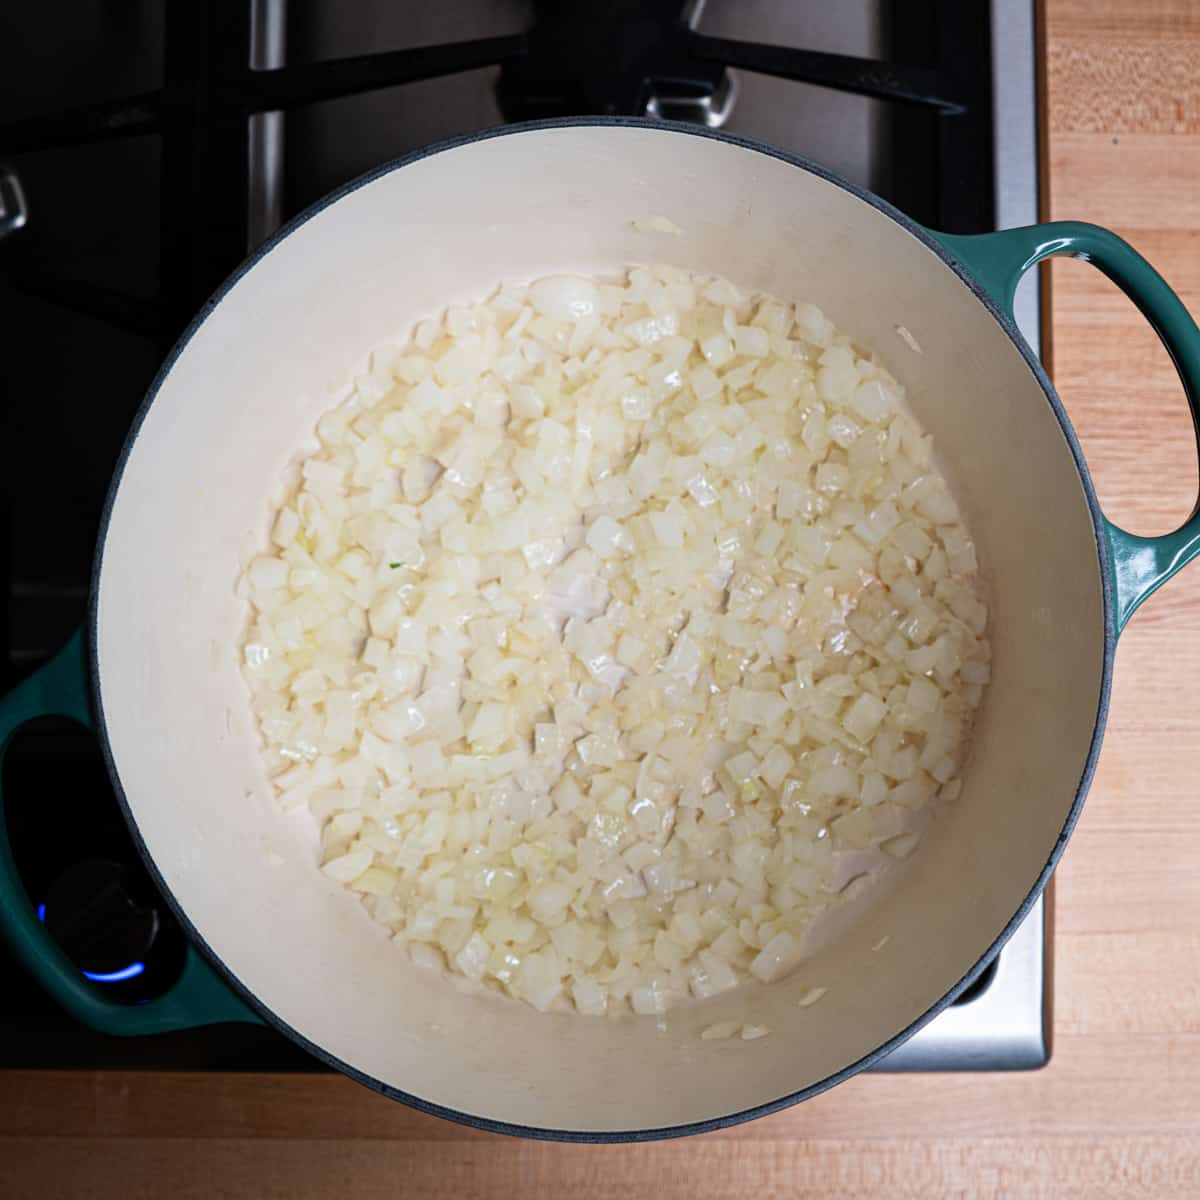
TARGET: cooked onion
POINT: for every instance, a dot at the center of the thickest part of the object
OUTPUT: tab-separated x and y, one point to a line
609	629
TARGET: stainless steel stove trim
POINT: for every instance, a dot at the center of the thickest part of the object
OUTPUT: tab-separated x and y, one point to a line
1007	1026
1015	131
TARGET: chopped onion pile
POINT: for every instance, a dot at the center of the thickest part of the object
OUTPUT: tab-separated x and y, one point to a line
610	631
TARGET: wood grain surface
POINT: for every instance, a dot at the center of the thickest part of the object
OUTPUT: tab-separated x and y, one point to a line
1117	1113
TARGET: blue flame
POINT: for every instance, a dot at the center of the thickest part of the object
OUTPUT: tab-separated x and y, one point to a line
130	972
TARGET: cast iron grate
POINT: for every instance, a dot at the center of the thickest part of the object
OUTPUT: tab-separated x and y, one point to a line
583	57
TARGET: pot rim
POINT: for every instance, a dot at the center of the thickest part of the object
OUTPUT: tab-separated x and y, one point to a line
982	961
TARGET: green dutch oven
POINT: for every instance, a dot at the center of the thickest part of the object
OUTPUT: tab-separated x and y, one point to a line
155	669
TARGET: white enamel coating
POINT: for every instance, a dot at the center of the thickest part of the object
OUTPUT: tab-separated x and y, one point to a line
242	399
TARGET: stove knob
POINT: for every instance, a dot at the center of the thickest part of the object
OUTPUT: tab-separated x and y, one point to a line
105	916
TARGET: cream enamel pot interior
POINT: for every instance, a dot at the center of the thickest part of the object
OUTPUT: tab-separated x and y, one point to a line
239	398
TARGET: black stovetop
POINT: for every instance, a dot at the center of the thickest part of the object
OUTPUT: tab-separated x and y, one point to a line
128	128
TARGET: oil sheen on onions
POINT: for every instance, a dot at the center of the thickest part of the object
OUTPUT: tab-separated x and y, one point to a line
616	632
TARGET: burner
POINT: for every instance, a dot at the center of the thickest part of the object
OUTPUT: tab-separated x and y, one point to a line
612	57
114	926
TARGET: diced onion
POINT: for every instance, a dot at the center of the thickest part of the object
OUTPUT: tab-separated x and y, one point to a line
609	628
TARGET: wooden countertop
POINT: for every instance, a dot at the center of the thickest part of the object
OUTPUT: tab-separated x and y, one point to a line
1117	1112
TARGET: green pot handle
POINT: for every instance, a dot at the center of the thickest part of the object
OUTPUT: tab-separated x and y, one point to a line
199	997
1140	565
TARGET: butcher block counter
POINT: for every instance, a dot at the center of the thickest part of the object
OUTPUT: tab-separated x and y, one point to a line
1117	1111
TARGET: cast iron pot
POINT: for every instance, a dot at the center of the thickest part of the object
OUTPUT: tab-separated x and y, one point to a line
156	672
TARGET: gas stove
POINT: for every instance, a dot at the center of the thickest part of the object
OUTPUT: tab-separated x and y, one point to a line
149	147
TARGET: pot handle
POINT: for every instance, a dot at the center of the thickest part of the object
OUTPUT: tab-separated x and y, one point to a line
1140	565
199	997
